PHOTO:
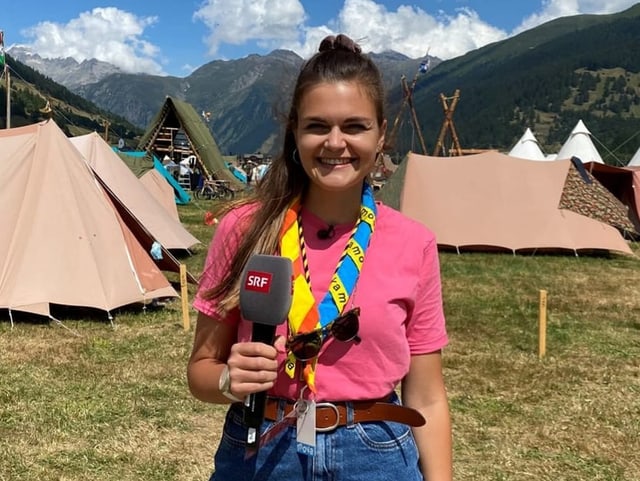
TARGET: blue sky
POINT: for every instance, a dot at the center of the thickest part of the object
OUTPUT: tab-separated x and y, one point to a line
174	37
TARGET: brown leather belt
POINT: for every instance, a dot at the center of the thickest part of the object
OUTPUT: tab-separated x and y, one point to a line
330	415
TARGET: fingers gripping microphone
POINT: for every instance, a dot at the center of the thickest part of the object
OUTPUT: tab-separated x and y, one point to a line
265	299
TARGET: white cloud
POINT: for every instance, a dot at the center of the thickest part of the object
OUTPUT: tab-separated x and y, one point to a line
269	22
552	9
309	41
408	29
106	34
187	68
412	31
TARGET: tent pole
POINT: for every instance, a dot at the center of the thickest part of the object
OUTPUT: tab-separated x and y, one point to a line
6	73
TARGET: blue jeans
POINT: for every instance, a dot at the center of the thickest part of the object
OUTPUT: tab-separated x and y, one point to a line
357	452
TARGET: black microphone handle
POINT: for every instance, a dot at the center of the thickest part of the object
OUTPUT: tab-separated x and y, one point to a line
254	405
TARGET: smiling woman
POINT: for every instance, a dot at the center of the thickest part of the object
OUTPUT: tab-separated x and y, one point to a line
337	149
366	312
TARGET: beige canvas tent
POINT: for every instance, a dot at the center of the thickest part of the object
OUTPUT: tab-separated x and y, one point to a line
161	191
119	179
62	241
494	201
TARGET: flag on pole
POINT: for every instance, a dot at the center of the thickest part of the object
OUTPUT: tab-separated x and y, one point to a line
2	60
424	65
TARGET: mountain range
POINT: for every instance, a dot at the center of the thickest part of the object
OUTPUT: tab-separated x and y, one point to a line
245	97
547	78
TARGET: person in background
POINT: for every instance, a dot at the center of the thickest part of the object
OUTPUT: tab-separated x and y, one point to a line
366	319
249	167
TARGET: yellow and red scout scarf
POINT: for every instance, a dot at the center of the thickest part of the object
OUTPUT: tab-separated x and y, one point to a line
305	315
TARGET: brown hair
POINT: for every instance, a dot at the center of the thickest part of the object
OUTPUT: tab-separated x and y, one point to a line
338	59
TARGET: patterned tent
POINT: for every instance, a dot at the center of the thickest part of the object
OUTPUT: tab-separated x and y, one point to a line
583	194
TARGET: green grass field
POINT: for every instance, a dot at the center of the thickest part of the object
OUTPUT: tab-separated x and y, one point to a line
87	400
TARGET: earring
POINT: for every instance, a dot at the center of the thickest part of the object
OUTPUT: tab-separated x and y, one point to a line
295	157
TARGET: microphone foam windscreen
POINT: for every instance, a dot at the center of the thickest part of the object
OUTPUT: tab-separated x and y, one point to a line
266	289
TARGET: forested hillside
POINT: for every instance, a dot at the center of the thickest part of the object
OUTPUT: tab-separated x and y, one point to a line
30	91
547	78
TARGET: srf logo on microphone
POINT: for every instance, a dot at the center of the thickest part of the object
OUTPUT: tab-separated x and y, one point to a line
258	281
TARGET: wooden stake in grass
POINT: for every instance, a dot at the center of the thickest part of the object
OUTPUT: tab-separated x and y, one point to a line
184	294
542	325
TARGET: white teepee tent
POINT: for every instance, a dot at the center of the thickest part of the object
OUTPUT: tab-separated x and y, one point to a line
635	160
528	147
579	144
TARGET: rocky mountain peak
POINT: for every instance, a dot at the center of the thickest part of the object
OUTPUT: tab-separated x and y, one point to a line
66	71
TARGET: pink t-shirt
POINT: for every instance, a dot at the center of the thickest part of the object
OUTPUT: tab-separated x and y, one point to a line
398	292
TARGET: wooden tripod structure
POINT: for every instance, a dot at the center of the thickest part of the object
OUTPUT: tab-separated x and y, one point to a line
447	126
407	100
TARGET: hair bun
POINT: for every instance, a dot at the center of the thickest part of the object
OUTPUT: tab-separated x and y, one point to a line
339	42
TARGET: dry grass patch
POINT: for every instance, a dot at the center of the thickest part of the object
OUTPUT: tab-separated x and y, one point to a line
573	415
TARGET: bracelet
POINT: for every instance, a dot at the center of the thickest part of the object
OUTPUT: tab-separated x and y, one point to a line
224	384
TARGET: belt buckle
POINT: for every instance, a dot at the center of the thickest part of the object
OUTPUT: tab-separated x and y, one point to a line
335	409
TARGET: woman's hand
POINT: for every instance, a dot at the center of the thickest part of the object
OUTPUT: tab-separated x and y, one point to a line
253	366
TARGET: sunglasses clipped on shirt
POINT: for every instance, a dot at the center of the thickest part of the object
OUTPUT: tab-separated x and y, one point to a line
343	328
